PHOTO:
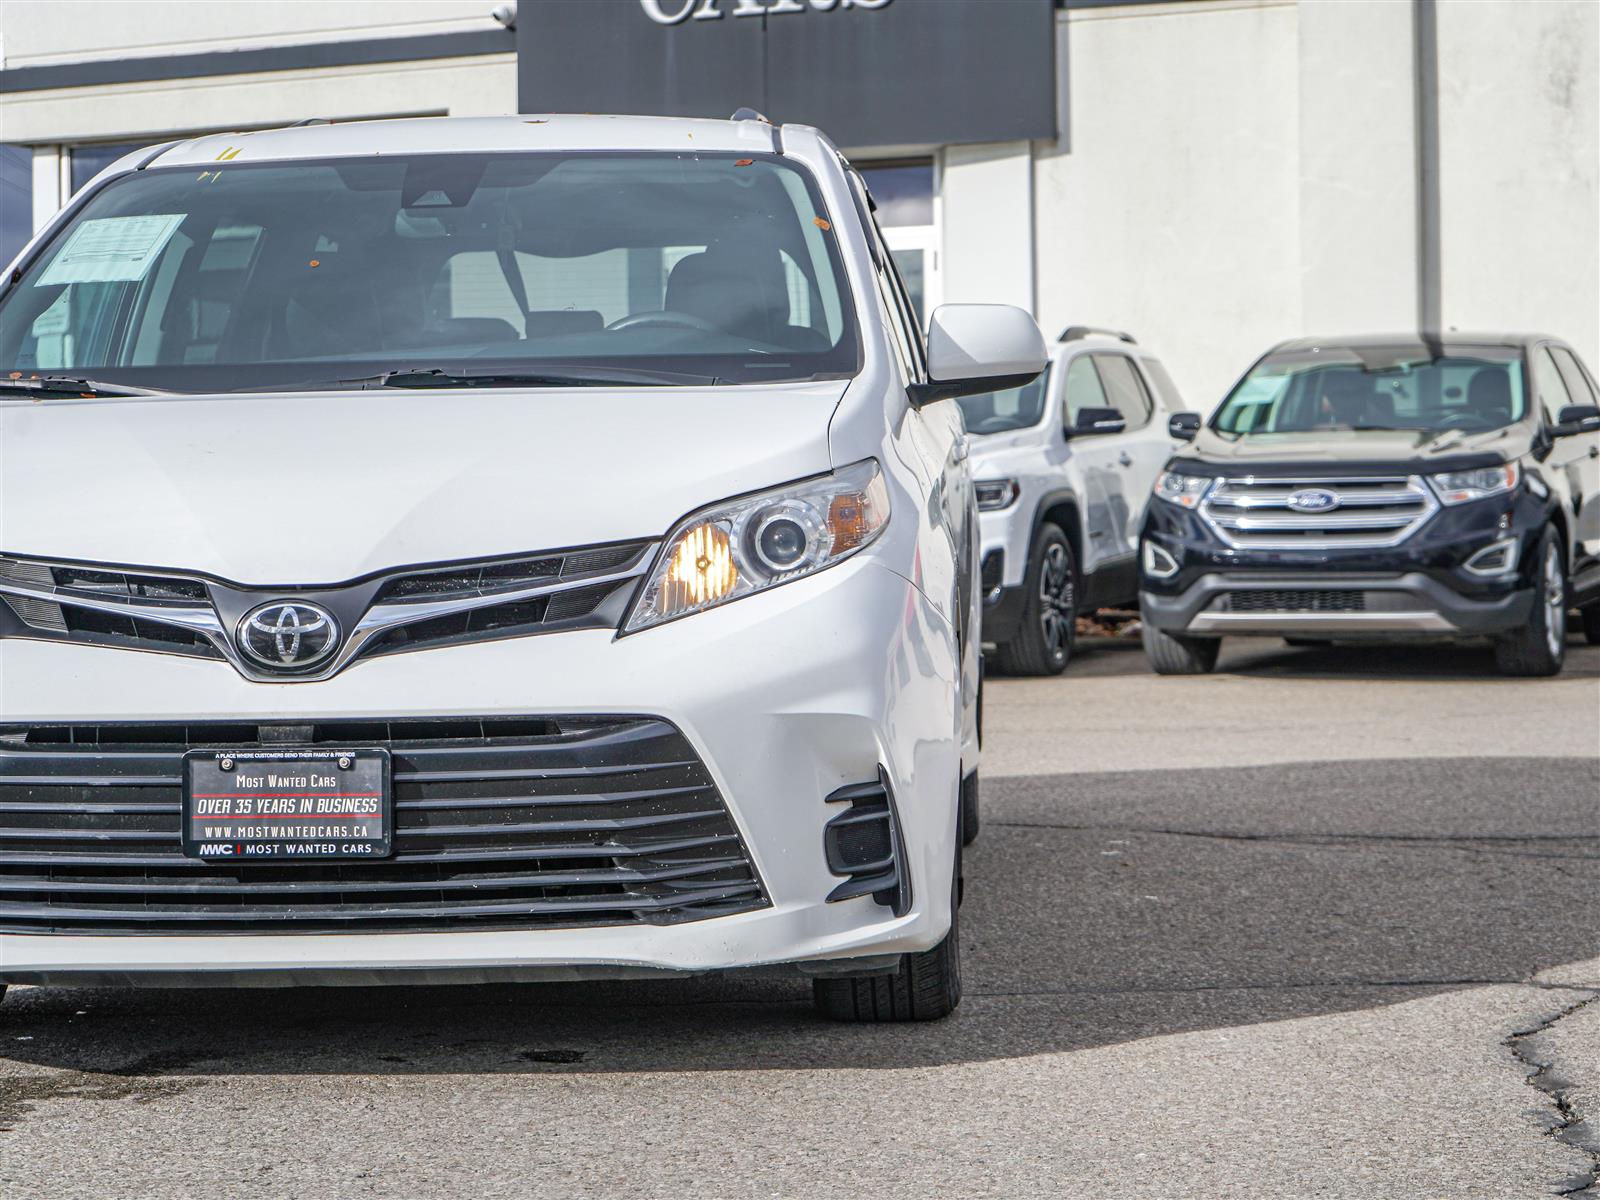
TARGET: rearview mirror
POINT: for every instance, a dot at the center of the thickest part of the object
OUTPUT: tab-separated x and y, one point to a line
1097	421
1183	425
1577	418
976	348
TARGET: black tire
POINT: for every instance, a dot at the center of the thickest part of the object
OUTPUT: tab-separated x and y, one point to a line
1540	647
1591	623
1172	655
1044	639
969	809
927	987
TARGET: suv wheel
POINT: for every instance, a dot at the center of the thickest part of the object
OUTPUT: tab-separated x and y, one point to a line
1169	654
1043	643
927	987
1540	646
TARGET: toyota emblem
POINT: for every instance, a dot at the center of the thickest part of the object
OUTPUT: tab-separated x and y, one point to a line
288	636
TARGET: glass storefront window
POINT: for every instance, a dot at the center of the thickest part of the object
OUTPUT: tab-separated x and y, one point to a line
16	200
903	193
89	161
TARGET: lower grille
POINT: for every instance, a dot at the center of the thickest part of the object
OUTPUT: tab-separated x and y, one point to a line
1296	600
499	823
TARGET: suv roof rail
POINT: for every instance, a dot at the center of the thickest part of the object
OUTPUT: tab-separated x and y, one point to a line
1073	332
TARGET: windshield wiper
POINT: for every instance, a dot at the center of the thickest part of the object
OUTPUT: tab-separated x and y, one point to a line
433	377
65	385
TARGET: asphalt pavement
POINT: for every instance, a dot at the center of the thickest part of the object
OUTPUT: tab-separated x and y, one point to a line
1324	924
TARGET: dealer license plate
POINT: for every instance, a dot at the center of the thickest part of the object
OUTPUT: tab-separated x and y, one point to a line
287	804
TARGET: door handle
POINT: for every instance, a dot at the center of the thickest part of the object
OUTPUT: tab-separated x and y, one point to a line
1124	459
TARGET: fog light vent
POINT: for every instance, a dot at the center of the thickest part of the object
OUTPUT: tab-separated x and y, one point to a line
1497	558
862	844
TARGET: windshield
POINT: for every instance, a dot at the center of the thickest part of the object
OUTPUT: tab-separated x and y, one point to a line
1014	408
699	267
1377	387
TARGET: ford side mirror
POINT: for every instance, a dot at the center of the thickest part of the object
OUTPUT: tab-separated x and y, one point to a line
1096	421
1577	418
1183	425
976	348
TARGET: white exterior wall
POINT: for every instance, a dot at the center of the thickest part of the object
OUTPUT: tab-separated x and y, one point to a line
44	32
1519	131
987	191
1358	166
1171	206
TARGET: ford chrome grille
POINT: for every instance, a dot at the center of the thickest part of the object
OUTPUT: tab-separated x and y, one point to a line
499	823
1292	514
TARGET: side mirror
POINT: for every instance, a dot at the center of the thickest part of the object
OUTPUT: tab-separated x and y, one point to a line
1183	425
1093	421
1577	418
976	348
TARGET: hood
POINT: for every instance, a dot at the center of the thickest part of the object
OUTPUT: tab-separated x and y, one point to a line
1369	449
299	489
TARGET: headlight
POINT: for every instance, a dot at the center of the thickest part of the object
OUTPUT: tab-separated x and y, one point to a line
748	545
1457	487
996	493
1186	490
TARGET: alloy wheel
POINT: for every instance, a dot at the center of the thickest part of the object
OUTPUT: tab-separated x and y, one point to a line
1056	601
1555	601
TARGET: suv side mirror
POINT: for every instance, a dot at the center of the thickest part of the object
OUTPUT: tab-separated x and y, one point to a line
1097	421
1183	425
1577	418
976	348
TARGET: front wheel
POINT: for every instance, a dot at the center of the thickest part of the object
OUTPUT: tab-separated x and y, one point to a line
1169	654
1540	646
927	987
1044	640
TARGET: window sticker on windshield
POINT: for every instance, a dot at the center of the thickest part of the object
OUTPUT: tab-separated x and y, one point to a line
111	249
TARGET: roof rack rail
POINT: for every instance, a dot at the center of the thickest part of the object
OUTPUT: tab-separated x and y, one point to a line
1073	332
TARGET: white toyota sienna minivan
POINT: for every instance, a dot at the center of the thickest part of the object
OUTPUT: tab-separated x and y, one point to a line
458	550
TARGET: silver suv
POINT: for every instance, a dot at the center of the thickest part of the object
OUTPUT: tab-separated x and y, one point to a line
1064	466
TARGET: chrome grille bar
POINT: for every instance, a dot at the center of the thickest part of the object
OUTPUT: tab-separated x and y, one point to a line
1362	512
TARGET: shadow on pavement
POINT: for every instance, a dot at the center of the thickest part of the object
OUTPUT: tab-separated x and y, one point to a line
1099	657
1101	909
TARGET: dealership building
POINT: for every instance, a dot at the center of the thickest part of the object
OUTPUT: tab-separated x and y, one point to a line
1212	175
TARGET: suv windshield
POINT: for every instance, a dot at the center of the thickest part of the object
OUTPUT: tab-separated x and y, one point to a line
1014	408
1377	387
668	268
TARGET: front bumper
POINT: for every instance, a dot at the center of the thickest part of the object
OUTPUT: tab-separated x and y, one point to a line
786	697
1283	604
1420	587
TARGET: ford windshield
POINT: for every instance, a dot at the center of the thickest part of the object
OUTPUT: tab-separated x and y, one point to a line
646	268
1343	388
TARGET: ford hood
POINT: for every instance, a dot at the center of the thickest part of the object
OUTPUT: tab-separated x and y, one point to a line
1418	450
281	489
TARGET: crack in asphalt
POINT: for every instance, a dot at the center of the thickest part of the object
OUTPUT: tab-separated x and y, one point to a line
1569	1127
1464	843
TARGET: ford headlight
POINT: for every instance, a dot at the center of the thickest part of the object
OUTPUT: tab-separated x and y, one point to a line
1187	490
1457	487
757	542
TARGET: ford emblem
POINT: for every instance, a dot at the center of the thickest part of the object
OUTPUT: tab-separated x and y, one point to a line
1313	500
